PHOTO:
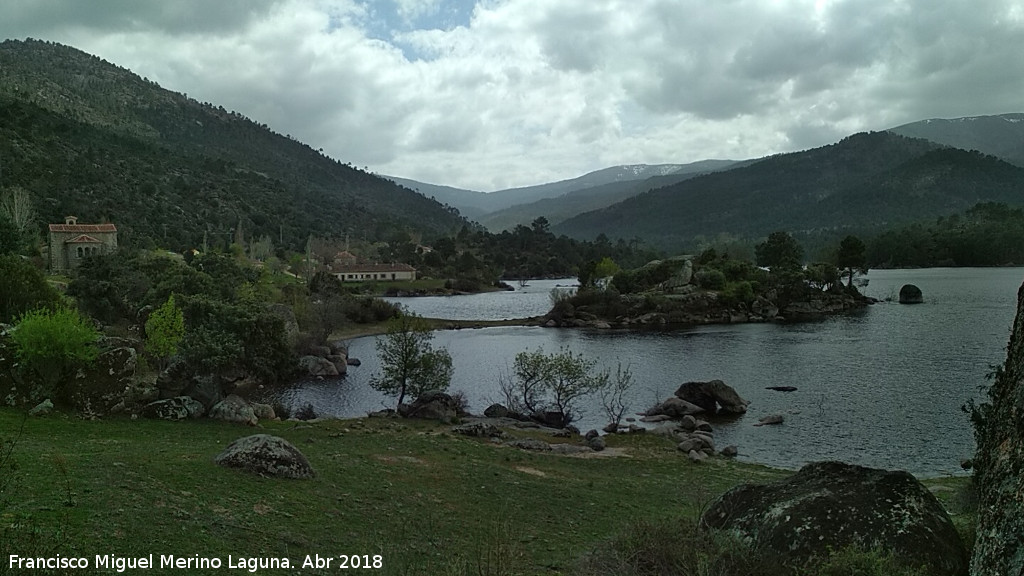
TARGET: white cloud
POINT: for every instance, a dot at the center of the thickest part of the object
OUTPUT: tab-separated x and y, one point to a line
523	91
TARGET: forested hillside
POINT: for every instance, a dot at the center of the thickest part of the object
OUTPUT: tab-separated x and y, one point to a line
83	136
865	183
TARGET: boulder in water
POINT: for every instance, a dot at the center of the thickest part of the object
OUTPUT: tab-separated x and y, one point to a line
910	294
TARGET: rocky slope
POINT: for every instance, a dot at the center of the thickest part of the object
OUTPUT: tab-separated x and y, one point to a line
999	465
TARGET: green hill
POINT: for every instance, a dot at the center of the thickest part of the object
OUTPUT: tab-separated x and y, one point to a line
863	183
89	138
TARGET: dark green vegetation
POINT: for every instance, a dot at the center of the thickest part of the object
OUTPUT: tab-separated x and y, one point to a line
81	136
988	234
215	315
865	183
22	288
524	252
427	501
86	137
713	288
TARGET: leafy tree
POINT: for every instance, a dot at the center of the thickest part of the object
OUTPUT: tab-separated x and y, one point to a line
852	258
780	250
822	275
604	270
409	363
22	288
165	329
543	384
55	342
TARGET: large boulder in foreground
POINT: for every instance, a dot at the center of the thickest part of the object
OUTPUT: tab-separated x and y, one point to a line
266	455
713	396
828	506
999	465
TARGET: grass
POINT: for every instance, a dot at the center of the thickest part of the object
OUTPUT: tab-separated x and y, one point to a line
427	501
409	491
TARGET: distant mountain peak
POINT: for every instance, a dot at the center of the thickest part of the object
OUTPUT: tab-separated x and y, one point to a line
1000	135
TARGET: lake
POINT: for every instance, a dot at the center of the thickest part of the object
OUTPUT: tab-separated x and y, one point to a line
882	387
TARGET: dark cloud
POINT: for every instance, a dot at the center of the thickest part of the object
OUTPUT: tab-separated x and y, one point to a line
41	17
494	93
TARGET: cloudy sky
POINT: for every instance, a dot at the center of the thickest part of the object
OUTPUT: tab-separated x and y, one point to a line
491	94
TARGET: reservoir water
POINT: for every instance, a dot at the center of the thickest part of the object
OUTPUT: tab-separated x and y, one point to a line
883	387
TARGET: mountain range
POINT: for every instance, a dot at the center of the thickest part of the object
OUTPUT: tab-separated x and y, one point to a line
861	184
83	136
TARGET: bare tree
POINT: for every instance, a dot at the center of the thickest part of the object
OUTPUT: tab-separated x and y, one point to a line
16	204
615	392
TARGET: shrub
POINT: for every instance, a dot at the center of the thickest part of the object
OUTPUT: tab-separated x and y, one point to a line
165	330
654	548
53	343
710	279
736	293
22	288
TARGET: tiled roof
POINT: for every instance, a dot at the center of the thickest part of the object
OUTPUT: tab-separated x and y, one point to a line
372	268
83	228
83	239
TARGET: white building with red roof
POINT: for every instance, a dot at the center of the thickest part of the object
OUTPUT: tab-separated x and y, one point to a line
374	272
70	242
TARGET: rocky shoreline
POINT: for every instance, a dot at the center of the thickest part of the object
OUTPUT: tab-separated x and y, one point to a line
700	307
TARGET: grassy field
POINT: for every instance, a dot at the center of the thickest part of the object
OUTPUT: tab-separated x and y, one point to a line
426	501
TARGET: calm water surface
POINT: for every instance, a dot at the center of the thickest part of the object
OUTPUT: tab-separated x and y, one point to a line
881	388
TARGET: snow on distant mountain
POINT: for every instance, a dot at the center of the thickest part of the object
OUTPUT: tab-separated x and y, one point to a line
1001	136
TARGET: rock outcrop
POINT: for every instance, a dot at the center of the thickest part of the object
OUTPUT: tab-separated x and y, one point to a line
267	456
180	408
673	408
233	409
999	465
100	388
713	396
431	406
828	506
318	366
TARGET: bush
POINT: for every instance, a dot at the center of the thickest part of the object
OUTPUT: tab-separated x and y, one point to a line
710	279
654	548
736	293
53	343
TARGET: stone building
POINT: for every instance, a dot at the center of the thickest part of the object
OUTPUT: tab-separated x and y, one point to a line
70	242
